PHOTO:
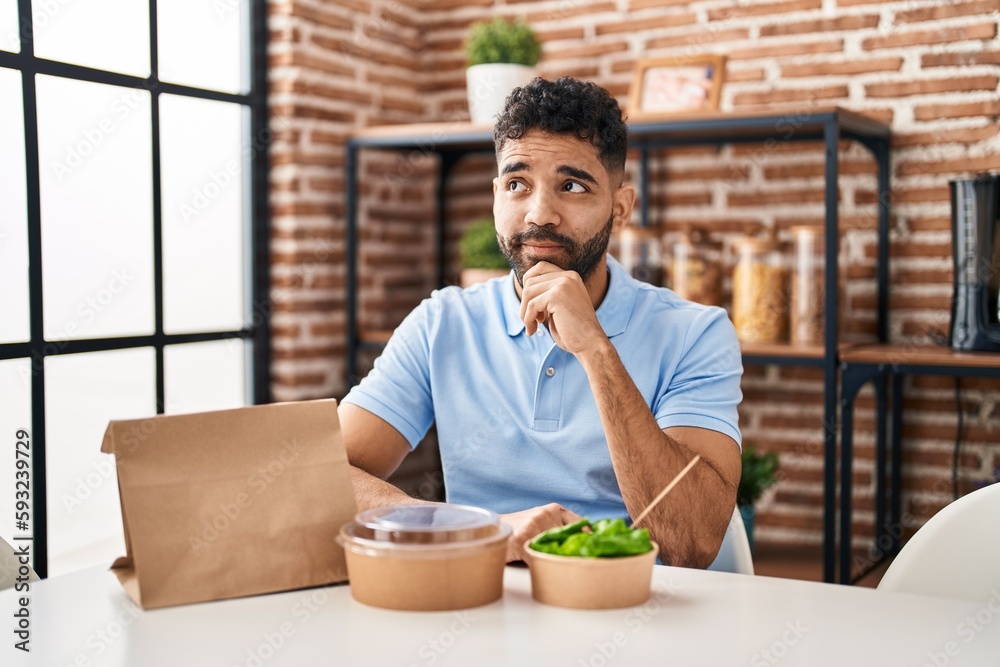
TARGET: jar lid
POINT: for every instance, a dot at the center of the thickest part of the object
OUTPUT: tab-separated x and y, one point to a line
437	523
697	238
753	244
813	230
631	232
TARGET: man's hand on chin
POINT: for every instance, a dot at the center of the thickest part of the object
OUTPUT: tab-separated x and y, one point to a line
560	299
528	523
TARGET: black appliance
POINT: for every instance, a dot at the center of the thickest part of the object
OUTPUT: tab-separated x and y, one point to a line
975	301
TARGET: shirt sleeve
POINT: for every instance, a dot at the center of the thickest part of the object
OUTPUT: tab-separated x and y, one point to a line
398	387
705	391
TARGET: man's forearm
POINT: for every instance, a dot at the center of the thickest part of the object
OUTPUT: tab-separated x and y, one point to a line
690	522
370	491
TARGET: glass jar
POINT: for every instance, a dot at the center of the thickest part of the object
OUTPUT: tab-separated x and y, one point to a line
808	262
696	270
760	292
639	253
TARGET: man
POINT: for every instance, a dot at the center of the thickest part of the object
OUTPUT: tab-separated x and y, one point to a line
568	389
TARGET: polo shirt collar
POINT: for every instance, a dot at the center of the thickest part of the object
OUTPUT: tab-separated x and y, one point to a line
613	313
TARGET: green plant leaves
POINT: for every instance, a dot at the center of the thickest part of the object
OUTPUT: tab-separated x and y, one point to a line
758	475
502	41
479	247
605	538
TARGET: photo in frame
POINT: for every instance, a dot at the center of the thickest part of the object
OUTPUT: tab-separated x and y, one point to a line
681	85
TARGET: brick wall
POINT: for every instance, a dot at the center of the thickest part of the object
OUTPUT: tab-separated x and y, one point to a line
930	68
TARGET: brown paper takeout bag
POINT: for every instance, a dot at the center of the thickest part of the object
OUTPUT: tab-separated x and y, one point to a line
231	503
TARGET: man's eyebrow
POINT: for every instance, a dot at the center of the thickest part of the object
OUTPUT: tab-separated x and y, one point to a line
576	173
515	166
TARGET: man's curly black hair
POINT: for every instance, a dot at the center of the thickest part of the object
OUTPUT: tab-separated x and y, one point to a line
567	106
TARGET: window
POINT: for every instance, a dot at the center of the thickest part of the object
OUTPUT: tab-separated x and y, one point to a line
133	223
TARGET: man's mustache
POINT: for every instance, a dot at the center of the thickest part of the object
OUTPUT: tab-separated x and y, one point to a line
543	234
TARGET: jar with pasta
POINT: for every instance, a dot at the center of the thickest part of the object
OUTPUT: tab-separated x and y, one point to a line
808	301
696	269
760	292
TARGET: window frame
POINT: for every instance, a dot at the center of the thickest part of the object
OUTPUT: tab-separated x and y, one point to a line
257	307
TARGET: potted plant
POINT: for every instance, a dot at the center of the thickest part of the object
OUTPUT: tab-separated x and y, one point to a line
501	56
759	474
481	256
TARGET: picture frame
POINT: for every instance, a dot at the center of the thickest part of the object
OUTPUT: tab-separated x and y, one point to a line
664	87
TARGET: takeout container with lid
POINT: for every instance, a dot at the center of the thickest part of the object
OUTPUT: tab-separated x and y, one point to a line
590	583
425	557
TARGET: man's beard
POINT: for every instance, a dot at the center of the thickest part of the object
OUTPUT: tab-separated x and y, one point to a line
583	258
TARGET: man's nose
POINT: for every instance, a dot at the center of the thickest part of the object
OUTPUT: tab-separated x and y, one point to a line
542	209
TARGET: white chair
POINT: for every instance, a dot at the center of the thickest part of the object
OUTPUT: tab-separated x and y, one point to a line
9	567
956	554
734	554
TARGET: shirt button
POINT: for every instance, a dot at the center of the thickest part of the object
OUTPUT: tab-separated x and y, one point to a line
550	371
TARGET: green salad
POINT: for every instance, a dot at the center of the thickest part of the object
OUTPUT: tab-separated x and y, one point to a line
606	538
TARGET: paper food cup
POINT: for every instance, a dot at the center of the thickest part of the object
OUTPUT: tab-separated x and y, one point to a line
432	557
590	583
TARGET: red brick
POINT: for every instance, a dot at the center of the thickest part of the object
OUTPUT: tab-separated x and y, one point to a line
300	352
786	171
970	164
652	22
743	75
980	31
785	49
636	5
855	22
947	11
790	95
285	330
305	61
842	67
700	36
326	329
567	10
680	199
587	51
928	86
960	58
783	196
292	380
759	9
936	111
962	135
906	196
921	276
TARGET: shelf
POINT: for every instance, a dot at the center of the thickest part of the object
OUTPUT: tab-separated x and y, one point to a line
782	354
829	125
703	127
924	356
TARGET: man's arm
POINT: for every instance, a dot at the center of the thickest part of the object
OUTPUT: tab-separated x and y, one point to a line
375	449
690	523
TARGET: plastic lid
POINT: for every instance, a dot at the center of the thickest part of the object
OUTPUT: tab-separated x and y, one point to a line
438	523
806	229
751	244
631	232
693	237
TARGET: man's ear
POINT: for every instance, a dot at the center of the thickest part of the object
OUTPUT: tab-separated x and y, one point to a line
496	185
621	207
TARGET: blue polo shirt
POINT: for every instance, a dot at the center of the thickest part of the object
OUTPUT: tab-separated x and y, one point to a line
516	419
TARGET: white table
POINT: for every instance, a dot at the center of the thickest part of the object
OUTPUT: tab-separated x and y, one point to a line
694	618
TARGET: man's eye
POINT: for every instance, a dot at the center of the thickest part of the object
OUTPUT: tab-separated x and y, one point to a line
573	186
515	186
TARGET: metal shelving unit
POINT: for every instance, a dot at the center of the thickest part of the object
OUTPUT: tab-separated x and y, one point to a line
451	141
